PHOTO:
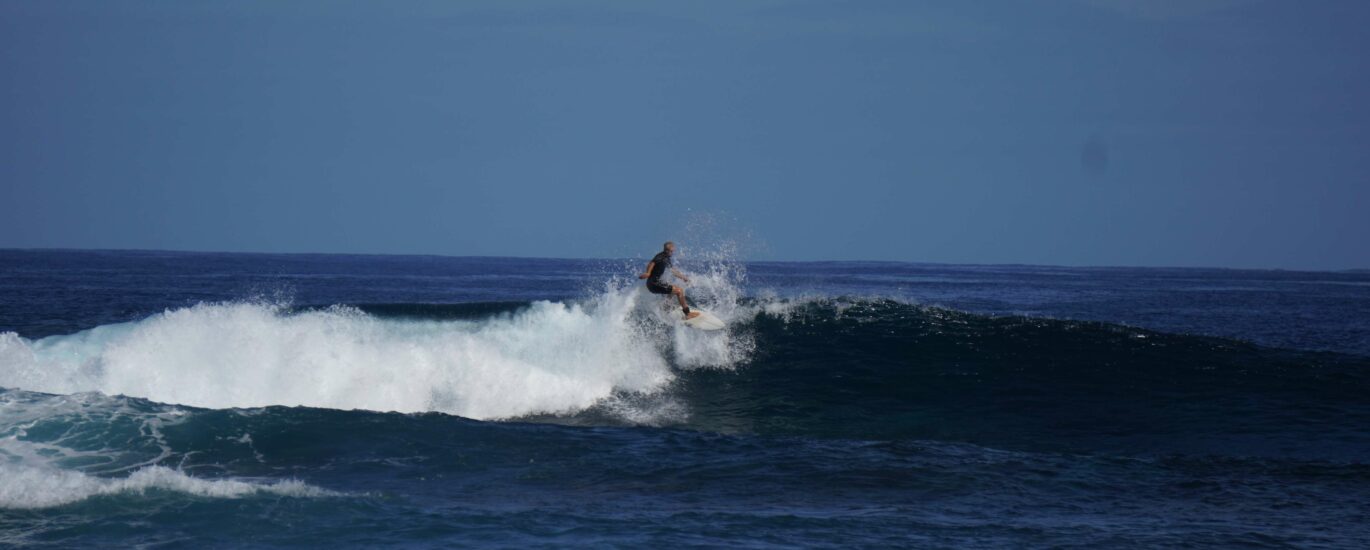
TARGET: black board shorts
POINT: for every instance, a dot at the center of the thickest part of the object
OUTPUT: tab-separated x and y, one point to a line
657	287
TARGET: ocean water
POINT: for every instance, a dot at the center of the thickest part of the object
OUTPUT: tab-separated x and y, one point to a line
223	400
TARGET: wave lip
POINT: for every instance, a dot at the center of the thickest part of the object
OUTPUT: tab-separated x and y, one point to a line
27	487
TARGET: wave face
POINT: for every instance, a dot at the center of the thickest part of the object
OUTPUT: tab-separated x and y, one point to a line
845	368
881	369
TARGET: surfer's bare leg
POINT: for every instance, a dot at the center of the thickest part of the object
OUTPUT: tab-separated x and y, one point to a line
680	295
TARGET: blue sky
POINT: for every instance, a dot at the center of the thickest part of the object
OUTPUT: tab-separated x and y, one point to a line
1090	132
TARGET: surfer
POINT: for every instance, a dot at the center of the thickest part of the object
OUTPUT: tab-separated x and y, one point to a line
656	268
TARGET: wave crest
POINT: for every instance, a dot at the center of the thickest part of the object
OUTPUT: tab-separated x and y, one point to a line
546	358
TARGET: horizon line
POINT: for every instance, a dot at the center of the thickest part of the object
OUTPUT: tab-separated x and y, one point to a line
909	262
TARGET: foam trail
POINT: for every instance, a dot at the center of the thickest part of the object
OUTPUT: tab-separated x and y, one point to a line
51	446
26	486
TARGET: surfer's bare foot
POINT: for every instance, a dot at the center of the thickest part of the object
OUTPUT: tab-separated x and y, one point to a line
692	315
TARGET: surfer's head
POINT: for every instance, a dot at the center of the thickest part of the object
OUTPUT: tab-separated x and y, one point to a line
668	248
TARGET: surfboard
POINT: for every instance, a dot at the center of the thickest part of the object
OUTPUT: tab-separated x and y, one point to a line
704	321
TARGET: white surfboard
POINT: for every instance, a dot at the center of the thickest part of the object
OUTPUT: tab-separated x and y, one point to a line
705	321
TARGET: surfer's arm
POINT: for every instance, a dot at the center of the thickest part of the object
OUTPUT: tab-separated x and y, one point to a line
648	272
678	275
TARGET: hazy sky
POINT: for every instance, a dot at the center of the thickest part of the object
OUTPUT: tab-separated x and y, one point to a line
1094	132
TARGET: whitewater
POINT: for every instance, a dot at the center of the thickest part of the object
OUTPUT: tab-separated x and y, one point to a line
549	357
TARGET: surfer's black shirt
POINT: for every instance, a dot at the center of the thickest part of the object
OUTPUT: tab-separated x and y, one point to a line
659	264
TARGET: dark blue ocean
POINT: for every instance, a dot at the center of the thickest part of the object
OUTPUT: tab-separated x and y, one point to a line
194	400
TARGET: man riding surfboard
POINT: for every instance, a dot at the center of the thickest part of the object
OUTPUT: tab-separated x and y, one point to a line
656	268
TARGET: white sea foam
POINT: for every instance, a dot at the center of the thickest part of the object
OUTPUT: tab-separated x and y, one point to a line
548	358
27	486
